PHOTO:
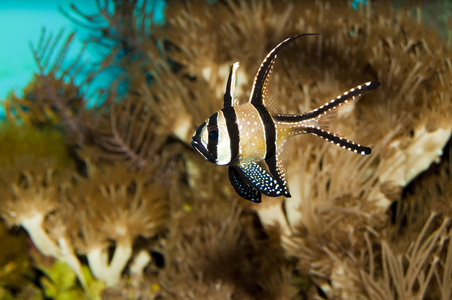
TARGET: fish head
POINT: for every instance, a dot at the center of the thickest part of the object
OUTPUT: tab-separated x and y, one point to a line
211	140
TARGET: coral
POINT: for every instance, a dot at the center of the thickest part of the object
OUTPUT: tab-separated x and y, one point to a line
123	32
118	210
214	252
29	199
382	273
124	131
54	97
41	197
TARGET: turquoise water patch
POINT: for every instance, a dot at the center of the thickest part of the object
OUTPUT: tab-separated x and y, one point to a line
21	24
355	3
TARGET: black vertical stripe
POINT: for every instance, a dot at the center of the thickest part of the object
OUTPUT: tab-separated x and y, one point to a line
233	131
269	128
273	168
212	144
270	155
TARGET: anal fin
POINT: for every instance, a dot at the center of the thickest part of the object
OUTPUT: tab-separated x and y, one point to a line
276	169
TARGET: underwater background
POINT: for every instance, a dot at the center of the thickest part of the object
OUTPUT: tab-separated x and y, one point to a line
102	196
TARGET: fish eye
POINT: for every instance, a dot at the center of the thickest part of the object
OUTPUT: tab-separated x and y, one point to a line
213	132
213	135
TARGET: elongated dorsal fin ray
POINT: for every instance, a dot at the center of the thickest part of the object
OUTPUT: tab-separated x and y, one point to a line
260	84
230	86
265	87
242	188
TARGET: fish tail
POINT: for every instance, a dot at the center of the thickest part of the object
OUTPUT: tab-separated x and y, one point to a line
330	108
339	140
321	121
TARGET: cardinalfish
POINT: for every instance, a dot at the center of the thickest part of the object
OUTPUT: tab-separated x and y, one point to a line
249	137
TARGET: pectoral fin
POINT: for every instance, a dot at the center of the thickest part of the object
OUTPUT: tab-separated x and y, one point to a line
243	188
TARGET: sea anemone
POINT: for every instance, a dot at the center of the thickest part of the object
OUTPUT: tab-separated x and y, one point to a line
29	198
114	212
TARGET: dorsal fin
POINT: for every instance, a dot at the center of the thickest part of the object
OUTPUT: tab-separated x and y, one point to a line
230	86
260	85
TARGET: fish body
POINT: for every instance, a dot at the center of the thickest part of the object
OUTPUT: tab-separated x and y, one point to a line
249	138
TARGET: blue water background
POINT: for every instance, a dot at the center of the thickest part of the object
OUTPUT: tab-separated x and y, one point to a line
21	23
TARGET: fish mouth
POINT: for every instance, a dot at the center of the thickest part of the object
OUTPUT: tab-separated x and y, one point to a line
199	148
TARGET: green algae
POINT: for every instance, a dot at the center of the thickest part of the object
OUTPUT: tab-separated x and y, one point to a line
15	264
60	283
43	148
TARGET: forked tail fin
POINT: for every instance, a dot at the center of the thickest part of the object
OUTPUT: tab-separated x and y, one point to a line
320	121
